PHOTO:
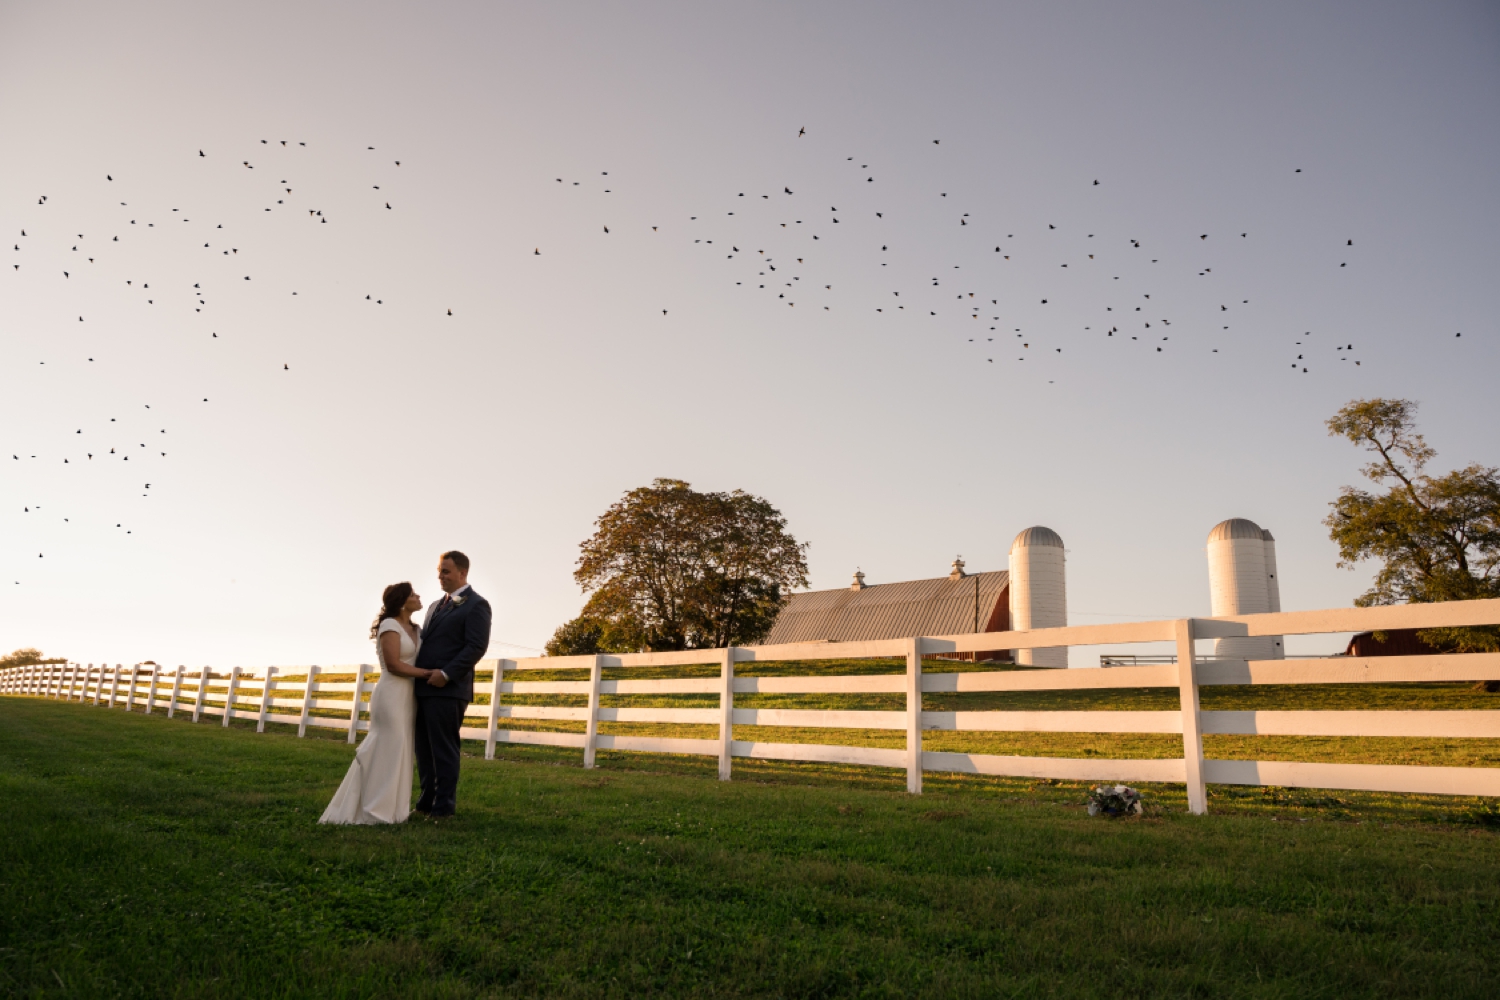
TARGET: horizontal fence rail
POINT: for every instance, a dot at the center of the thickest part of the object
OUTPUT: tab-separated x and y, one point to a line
334	697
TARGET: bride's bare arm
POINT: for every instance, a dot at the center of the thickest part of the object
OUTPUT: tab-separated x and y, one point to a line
390	649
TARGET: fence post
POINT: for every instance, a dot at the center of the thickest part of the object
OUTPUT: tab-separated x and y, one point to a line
135	672
914	717
98	684
203	678
307	700
151	691
73	680
493	722
176	691
1192	722
54	680
114	686
57	687
234	687
726	714
265	698
359	690
591	734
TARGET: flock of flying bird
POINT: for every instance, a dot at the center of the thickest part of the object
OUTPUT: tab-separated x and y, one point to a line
37	244
798	270
773	242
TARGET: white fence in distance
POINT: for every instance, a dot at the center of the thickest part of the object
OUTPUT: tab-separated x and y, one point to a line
294	696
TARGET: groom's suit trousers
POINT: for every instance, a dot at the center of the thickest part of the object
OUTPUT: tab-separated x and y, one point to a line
438	724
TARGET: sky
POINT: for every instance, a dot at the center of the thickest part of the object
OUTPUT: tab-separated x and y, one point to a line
351	389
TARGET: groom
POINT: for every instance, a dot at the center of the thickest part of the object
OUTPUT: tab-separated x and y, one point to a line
455	634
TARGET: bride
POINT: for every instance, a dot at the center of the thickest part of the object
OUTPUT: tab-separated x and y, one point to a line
377	788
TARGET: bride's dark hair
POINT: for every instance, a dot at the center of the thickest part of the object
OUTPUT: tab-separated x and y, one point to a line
391	603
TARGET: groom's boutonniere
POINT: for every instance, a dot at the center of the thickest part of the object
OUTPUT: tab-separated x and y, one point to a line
458	600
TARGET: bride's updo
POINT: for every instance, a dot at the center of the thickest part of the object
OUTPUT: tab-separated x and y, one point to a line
391	602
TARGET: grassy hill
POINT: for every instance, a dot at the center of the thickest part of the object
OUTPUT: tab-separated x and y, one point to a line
142	857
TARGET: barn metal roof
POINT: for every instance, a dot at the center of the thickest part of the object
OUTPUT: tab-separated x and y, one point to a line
891	610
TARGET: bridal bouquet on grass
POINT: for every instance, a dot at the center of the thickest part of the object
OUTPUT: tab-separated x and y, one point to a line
1114	800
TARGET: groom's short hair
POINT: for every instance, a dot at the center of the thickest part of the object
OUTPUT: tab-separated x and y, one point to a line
457	558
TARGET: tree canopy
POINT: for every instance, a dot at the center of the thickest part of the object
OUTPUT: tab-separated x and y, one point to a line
26	657
670	568
1437	538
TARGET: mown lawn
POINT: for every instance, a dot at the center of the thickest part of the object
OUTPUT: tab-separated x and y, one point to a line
146	857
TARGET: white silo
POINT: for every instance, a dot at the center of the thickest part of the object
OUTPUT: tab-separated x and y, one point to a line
1038	592
1241	583
1273	591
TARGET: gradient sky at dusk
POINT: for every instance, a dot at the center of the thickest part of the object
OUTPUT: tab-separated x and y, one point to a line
888	440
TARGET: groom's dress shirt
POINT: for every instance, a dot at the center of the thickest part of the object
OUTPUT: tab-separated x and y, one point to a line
442	603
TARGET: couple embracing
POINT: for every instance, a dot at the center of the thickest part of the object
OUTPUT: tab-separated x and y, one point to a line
417	708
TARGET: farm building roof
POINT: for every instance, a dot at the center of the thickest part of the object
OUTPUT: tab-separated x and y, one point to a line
944	606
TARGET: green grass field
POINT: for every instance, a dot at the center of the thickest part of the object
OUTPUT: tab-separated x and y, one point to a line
147	857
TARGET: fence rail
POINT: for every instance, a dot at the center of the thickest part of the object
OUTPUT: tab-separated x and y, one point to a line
292	696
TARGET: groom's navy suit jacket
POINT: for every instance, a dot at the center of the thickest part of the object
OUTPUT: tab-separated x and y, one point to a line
454	637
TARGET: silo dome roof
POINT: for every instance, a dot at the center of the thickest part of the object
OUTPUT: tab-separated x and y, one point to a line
1266	534
1037	536
1235	527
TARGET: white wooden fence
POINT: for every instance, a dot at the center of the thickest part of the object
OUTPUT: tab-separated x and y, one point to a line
293	696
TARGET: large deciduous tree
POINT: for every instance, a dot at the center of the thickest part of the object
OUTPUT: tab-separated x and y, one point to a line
1437	538
671	568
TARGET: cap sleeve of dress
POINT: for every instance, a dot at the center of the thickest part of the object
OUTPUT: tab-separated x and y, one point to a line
389	625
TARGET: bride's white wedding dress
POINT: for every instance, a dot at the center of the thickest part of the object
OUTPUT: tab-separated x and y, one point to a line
377	788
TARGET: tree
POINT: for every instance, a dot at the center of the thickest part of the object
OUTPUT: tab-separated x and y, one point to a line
671	568
27	657
1437	538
